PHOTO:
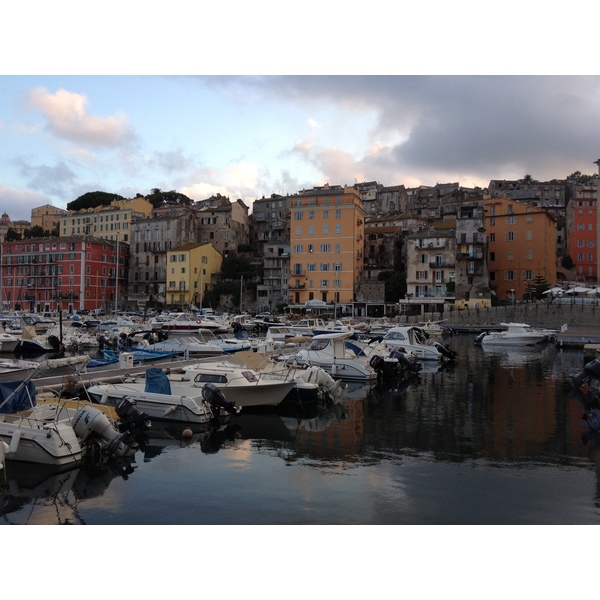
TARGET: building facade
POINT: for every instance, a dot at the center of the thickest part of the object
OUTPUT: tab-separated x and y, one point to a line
106	222
326	244
50	274
47	217
521	247
190	269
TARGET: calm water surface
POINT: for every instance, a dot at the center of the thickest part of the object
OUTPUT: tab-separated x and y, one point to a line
494	439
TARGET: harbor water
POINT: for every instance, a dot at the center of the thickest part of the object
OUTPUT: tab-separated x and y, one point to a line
494	438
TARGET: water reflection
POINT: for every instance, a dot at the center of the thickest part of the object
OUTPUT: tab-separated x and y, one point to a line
476	441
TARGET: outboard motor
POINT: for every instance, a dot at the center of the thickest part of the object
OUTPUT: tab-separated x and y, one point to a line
215	397
410	363
54	343
445	351
591	369
131	417
92	425
591	418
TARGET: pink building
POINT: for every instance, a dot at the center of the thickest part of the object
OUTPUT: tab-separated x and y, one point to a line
39	273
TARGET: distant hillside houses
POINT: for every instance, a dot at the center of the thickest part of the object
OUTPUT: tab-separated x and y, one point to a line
409	250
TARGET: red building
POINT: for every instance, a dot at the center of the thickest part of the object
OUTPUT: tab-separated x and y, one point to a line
581	225
79	273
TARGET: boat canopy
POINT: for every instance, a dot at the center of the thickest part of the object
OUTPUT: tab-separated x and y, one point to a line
157	382
21	399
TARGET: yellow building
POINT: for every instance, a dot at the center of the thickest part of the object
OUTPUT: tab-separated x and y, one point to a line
521	247
47	216
106	222
189	272
326	244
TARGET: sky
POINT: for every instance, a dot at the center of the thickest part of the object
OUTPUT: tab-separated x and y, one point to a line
231	115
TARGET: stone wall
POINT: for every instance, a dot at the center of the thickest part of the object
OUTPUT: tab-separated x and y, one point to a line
537	314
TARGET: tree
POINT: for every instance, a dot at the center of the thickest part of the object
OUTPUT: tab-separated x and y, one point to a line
567	262
537	287
35	232
12	235
92	200
158	198
395	284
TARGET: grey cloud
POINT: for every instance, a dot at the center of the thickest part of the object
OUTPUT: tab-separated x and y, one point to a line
51	180
547	126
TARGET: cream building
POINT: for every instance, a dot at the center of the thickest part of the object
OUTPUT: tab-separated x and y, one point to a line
106	222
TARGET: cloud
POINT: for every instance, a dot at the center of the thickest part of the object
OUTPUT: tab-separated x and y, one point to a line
486	126
66	117
18	202
51	180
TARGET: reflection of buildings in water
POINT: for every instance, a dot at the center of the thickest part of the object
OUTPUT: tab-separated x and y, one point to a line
38	495
592	440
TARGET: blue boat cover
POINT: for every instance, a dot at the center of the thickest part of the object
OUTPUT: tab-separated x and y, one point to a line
157	381
23	399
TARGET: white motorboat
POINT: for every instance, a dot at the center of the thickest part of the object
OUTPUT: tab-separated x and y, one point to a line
184	345
8	342
158	399
228	343
515	334
306	326
330	352
54	433
413	340
312	384
242	385
184	322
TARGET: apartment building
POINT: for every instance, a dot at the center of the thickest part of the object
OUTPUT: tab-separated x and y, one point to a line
106	222
521	247
270	222
47	217
190	269
274	289
582	225
223	223
431	269
326	244
48	274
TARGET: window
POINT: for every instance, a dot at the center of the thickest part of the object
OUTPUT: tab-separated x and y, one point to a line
509	275
510	255
324	282
529	234
311	214
326	214
338	213
311	230
421	275
298	248
529	255
325	247
511	236
338	229
298	230
311	267
324	266
325	229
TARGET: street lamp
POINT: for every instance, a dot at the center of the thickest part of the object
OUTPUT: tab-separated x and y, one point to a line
512	291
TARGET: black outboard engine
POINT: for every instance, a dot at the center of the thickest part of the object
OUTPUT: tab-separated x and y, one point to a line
591	369
215	397
131	417
54	343
411	364
445	351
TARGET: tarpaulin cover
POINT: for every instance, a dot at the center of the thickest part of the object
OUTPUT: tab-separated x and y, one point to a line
23	399
157	382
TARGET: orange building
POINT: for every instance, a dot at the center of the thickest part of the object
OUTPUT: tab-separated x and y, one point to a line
326	244
521	247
